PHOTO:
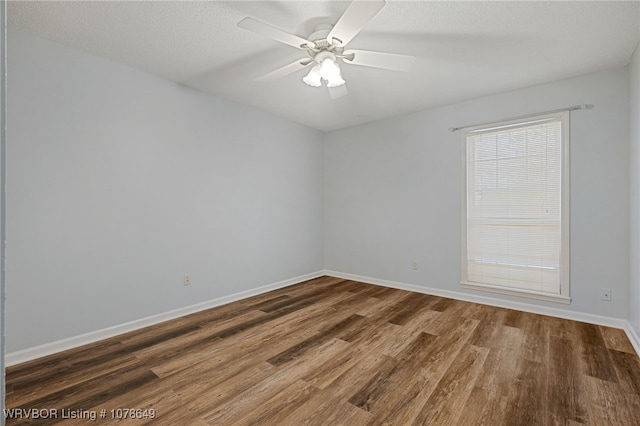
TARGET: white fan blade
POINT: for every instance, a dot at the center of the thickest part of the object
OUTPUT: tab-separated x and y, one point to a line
357	15
286	70
271	32
387	61
337	92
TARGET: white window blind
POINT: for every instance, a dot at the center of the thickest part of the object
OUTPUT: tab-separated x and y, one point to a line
514	206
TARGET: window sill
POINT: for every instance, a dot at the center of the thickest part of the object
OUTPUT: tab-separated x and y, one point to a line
557	298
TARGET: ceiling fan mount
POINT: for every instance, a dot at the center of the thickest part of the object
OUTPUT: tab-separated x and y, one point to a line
323	48
327	44
319	42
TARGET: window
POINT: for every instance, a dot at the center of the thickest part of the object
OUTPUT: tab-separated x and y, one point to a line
516	213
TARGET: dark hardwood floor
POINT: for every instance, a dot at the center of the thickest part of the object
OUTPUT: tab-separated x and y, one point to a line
337	352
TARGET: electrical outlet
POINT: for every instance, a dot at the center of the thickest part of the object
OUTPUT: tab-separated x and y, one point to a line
414	265
186	280
605	294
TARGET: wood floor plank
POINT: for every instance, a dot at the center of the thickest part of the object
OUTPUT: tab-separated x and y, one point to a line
597	362
484	407
446	403
299	348
514	318
355	286
402	406
377	386
530	400
628	371
616	339
326	373
377	305
275	383
493	388
411	306
423	323
442	304
280	405
338	391
450	315
535	344
379	292
606	406
565	388
341	413
445	348
486	334
388	386
342	352
486	313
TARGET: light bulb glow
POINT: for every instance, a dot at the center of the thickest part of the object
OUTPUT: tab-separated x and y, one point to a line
313	78
330	72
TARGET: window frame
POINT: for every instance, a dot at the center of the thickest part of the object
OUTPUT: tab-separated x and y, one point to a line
565	214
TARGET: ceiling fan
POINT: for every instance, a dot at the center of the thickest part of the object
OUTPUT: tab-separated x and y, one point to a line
327	44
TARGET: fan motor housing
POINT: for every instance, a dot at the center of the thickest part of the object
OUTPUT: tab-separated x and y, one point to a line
320	42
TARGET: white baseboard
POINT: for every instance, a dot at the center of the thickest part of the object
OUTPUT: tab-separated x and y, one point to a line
83	339
485	300
633	337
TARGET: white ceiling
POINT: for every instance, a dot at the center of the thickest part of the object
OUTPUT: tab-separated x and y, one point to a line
464	49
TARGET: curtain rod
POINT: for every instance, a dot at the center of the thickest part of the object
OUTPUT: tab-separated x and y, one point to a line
571	108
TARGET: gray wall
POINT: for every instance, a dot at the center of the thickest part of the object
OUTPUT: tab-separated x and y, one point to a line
120	182
634	211
393	191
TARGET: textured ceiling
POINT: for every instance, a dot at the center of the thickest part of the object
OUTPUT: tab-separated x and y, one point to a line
463	49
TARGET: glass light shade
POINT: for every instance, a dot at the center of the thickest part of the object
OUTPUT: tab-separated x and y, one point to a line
330	72
313	78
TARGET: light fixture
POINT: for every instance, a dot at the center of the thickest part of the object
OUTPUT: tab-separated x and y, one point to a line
327	70
330	72
313	78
